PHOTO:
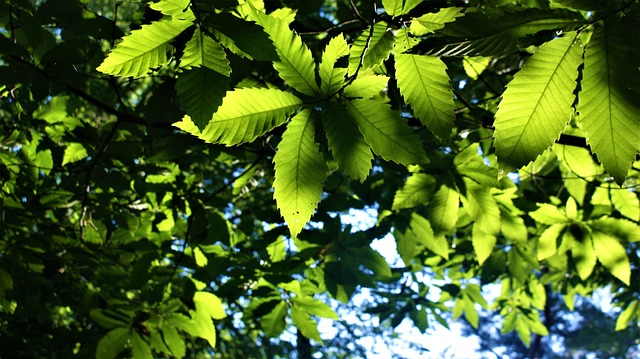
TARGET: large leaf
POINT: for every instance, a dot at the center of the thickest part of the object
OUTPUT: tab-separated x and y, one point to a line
346	142
331	77
366	87
244	115
387	132
143	49
608	103
300	171
371	48
424	84
201	50
274	322
210	304
495	32
296	66
201	90
537	103
612	255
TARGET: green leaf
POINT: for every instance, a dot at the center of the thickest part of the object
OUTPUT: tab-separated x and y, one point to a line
346	142
273	323
241	118
443	210
201	50
405	246
513	227
612	255
201	91
305	324
617	227
608	103
112	343
74	153
376	48
174	341
178	9
387	132
393	7
523	330
370	259
584	257
495	32
627	315
548	214
483	243
296	66
482	208
417	190
537	103
314	307
366	87
424	84
139	347
300	171
431	22
209	304
547	243
143	49
627	203
474	66
421	228
244	38
331	77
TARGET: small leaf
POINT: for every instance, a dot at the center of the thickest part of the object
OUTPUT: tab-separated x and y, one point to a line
178	9
612	255
584	258
482	207
627	315
548	214
387	132
627	203
300	171
143	49
366	87
74	153
424	84
174	341
242	118
417	190
431	22
405	245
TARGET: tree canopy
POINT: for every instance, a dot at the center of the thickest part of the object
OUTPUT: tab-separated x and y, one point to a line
175	173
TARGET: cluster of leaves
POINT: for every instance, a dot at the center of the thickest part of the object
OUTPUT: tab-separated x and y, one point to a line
109	190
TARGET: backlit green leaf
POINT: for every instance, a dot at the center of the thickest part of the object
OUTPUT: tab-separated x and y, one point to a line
331	77
296	66
537	103
143	49
305	324
244	115
443	210
424	84
366	87
74	153
482	208
431	22
346	142
178	9
274	322
200	91
547	243
584	257
139	347
209	304
376	48
483	243
548	214
112	343
421	228
314	307
417	190
201	50
387	132
608	103
612	255
300	171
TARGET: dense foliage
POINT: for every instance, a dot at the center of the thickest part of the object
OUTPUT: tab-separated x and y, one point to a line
175	173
